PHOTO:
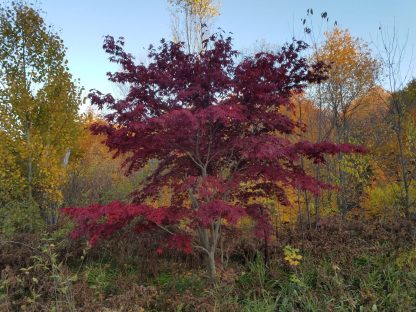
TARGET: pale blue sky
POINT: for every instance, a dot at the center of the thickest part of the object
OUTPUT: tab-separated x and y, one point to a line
83	23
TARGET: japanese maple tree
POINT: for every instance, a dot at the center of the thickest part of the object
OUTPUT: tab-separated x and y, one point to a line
215	124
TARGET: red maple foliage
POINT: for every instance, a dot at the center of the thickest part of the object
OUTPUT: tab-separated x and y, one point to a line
215	124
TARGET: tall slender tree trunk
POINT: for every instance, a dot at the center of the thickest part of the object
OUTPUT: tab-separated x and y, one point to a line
29	163
302	164
300	217
318	166
402	161
26	97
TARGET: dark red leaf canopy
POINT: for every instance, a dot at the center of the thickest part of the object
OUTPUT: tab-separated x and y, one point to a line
214	122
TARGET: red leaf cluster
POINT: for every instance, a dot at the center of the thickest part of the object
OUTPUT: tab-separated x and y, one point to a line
214	122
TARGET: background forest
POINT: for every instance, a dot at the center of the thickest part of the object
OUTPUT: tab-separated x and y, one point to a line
271	179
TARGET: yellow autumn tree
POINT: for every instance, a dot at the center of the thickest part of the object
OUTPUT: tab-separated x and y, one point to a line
38	115
352	73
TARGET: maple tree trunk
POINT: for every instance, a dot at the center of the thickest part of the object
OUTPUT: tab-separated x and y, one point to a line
209	244
210	264
209	255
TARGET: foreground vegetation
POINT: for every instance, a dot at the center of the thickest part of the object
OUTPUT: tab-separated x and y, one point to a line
346	266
